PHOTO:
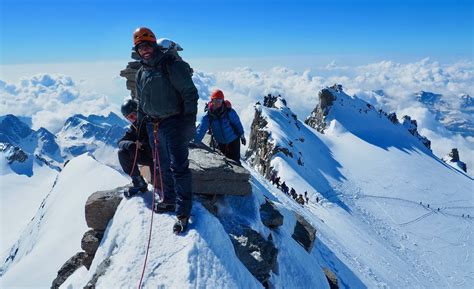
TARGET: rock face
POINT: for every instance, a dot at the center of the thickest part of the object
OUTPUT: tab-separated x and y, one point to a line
331	277
101	207
317	117
270	216
412	127
261	150
256	253
68	268
129	73
453	159
214	174
304	233
90	243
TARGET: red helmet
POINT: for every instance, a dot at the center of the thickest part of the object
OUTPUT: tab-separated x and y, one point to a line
217	94
143	34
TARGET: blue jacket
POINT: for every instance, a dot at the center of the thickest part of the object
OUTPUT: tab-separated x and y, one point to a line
225	127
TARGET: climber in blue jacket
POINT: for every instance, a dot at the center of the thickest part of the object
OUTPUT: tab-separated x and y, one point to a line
224	126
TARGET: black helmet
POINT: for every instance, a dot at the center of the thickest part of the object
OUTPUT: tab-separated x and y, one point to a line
129	106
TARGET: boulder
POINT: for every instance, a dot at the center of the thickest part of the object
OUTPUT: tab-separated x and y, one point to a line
91	240
270	216
68	269
256	253
304	233
101	206
214	174
331	277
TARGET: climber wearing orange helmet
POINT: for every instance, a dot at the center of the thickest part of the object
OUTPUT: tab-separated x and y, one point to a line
167	98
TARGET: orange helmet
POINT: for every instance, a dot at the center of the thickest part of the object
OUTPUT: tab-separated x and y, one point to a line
217	94
143	34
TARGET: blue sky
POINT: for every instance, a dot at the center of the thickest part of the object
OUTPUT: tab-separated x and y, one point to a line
74	31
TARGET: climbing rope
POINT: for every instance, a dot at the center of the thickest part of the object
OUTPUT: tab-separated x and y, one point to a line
156	156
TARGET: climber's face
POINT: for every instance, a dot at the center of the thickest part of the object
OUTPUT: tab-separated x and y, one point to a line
146	51
217	102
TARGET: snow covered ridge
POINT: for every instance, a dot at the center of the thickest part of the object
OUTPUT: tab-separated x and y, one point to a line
22	147
249	241
334	104
390	211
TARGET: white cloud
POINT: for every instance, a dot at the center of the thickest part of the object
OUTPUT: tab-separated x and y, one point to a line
49	99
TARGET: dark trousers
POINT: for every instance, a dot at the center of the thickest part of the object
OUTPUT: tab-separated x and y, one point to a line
126	157
231	150
173	137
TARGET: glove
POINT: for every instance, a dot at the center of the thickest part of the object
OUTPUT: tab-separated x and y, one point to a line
243	140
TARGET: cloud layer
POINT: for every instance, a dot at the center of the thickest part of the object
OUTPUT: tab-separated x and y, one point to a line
49	99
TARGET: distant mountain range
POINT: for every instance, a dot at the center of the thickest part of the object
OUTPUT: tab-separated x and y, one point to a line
23	147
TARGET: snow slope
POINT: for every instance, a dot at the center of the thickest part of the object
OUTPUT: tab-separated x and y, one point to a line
55	232
20	197
204	257
371	176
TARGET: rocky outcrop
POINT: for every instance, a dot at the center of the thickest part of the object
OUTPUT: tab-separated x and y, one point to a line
304	233
412	126
331	277
129	73
256	253
90	243
270	215
453	159
68	269
261	149
214	174
317	117
101	206
13	153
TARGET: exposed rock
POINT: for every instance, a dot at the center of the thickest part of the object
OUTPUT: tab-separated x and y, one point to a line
101	207
101	269
91	240
412	127
256	253
393	117
209	202
317	117
304	233
129	73
454	155
270	215
68	269
453	159
13	153
214	174
331	277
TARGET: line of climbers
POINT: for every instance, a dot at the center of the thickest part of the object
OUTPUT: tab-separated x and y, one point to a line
163	125
275	179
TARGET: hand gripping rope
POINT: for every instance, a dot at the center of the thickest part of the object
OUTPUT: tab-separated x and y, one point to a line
156	158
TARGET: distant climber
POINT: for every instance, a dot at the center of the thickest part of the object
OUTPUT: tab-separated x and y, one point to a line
273	177
300	199
277	182
317	200
284	188
306	196
134	149
168	99
224	126
293	193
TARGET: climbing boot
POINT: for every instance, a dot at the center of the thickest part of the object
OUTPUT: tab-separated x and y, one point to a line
138	185
181	225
